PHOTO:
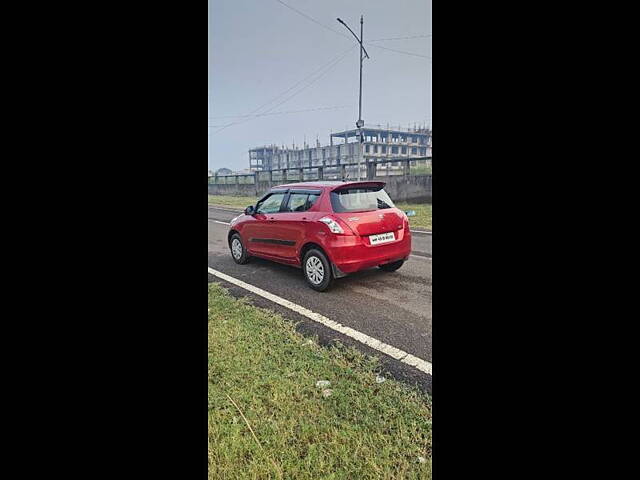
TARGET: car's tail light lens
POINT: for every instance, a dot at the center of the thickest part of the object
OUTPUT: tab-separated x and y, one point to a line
405	220
332	224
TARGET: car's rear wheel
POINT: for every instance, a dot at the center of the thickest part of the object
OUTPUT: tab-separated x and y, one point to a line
238	252
317	271
391	267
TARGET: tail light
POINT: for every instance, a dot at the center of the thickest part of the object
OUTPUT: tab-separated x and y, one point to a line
405	220
332	224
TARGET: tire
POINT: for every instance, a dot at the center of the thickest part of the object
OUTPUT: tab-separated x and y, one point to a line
317	270
240	255
391	267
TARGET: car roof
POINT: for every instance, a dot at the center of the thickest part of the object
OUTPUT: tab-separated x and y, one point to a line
324	184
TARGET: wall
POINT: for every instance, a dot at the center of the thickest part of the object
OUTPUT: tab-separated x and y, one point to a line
400	189
411	188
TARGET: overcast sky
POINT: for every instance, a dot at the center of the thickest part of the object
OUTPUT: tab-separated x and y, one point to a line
266	58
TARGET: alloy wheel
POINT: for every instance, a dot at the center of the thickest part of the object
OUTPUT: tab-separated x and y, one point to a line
315	270
236	249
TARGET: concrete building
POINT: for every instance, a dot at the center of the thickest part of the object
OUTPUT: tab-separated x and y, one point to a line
379	143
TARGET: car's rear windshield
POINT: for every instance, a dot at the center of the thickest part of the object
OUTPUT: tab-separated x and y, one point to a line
360	199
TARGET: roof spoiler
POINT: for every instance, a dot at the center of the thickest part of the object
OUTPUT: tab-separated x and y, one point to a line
360	184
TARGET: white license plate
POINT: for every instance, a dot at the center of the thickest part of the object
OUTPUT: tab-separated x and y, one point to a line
382	238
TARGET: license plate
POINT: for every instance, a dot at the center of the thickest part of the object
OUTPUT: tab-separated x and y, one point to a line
382	238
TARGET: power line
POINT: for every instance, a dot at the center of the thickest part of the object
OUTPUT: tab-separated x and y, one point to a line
299	82
346	36
287	90
328	69
399	51
399	38
331	65
313	19
281	113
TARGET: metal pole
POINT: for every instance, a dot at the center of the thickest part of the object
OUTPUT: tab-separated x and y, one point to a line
359	123
360	101
360	139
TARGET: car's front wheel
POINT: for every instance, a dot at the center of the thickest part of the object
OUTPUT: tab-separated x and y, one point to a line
317	270
238	252
391	267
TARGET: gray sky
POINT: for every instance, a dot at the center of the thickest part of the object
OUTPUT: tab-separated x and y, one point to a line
260	49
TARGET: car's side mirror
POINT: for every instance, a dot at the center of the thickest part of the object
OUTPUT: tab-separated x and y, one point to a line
410	213
250	210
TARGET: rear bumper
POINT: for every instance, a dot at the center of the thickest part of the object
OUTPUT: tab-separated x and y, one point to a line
353	253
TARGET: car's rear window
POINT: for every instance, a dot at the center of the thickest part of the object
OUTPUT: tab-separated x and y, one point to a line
360	199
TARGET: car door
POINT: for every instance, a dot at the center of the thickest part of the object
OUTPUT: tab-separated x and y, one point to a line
291	224
260	233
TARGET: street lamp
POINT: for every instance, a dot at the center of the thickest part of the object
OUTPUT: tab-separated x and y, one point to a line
360	122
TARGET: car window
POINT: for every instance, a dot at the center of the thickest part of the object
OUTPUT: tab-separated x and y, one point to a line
301	202
297	202
271	204
313	198
360	199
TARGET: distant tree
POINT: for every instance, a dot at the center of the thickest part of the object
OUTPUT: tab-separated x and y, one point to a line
223	171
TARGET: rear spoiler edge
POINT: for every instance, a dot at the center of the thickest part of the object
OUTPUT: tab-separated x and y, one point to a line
363	183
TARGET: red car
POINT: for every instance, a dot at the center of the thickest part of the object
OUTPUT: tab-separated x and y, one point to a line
329	229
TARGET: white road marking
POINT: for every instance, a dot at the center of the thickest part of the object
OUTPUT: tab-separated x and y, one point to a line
424	257
420	231
371	342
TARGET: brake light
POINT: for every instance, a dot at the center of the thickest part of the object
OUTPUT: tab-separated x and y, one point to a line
332	224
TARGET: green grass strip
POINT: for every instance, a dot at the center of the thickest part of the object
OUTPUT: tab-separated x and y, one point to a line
267	418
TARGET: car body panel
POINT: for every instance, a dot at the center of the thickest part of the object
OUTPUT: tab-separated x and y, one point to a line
373	223
281	236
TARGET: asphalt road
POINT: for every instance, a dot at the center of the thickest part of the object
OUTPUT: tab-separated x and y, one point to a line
393	307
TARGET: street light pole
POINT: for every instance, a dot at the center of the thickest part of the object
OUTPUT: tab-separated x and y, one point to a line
360	99
360	122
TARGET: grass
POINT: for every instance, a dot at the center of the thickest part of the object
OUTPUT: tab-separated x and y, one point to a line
267	419
232	201
423	214
421	170
421	220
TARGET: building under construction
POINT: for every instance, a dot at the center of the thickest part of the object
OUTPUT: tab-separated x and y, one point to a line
379	143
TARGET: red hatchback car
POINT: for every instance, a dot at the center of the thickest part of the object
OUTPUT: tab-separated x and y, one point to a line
329	229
